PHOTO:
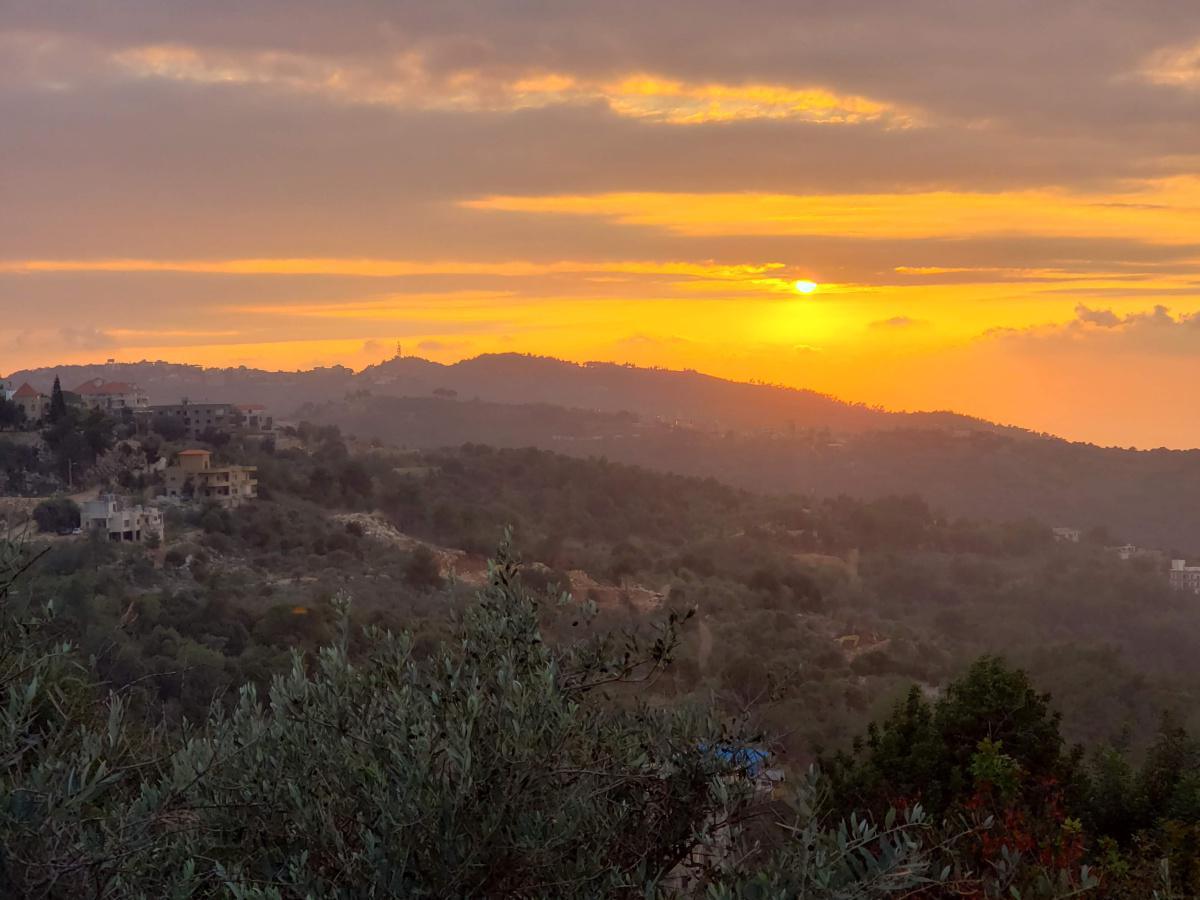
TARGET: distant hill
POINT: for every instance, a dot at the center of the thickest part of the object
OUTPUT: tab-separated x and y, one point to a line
684	397
762	437
1151	498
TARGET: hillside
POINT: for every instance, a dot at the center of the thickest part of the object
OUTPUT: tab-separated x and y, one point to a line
686	397
675	396
806	620
761	437
1146	497
832	601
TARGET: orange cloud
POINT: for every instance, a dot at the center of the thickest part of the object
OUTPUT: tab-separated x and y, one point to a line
1165	210
406	82
385	268
1177	66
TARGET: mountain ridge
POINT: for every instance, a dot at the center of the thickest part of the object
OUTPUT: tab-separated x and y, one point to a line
687	396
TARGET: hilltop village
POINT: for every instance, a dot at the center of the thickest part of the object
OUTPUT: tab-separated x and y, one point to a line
109	461
120	460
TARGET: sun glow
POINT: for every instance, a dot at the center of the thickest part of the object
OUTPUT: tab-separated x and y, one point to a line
805	287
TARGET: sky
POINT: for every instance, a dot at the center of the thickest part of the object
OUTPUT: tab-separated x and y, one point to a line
998	202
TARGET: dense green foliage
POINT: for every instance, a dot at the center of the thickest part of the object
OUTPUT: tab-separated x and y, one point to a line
503	765
924	752
11	415
228	669
824	611
495	767
57	514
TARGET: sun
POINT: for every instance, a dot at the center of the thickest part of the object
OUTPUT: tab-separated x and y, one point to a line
806	287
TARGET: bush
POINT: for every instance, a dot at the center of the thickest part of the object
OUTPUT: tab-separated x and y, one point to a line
495	769
169	428
422	570
56	514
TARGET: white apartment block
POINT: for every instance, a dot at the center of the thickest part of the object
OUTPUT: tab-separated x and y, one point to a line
120	520
1185	577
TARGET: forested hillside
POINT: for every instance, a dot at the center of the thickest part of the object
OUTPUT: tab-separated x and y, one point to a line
764	438
874	594
1146	497
785	623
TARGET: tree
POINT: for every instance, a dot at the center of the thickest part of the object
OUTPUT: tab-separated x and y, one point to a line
56	514
11	415
924	753
495	768
214	436
355	480
169	428
78	439
422	570
58	403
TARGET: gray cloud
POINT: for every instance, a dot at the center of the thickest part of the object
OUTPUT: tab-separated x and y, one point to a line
898	322
1157	332
435	346
100	162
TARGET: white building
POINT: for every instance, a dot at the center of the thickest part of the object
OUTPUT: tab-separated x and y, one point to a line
1072	535
120	520
1129	551
6	388
1185	577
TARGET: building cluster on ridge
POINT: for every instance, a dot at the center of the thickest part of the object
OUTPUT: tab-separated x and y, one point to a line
191	477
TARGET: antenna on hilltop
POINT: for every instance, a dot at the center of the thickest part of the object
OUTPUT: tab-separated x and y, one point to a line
398	349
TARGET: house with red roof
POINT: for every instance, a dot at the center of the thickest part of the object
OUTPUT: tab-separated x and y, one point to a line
32	401
111	396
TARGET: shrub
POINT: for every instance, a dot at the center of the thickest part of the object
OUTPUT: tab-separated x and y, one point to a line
495	769
56	514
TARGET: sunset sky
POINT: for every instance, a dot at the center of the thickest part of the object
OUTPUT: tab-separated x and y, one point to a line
999	202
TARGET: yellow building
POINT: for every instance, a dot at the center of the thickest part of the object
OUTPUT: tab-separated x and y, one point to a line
194	477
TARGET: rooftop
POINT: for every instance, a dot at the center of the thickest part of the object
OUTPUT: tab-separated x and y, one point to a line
26	390
100	387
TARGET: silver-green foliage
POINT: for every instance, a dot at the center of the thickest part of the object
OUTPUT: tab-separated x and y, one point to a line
853	860
493	768
497	767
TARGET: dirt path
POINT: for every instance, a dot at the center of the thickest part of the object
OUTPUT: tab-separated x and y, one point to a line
467	569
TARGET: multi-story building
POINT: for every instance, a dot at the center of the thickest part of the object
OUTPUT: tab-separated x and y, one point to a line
120	520
6	388
1070	535
194	477
199	418
1185	577
111	396
255	417
33	402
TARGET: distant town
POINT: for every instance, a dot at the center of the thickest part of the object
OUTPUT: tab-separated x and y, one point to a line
181	473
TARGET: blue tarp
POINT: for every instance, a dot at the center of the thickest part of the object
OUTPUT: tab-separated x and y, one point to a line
751	760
